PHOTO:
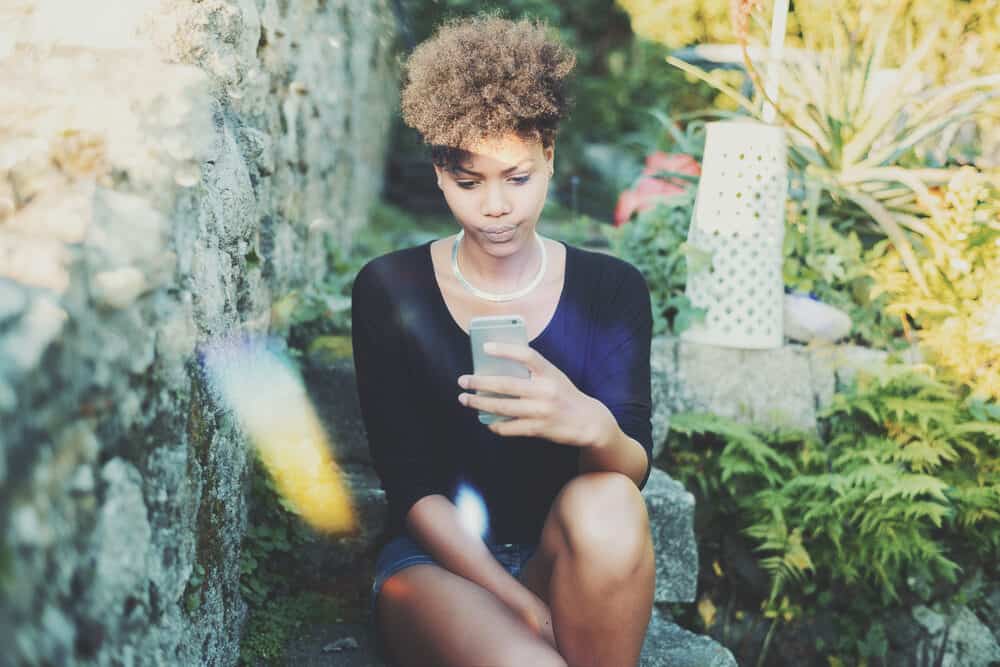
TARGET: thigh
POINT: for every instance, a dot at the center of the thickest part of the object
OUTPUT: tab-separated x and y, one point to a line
429	617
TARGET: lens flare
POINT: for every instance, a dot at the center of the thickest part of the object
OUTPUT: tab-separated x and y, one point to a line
269	399
472	512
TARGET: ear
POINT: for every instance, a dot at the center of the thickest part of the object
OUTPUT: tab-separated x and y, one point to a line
438	173
549	152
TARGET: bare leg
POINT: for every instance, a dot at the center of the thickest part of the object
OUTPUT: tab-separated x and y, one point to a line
429	617
595	568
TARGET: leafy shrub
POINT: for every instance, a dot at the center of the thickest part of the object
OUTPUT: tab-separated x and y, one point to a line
834	266
655	243
969	43
678	23
850	141
959	315
900	495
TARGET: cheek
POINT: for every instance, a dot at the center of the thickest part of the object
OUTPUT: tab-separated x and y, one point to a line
462	206
456	197
539	193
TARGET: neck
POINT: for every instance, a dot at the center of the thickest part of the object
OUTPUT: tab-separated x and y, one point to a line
499	274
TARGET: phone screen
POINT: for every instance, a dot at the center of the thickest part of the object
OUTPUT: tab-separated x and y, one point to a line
502	329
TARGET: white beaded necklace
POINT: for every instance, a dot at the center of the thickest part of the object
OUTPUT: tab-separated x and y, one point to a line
490	296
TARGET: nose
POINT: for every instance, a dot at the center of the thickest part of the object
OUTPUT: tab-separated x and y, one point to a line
495	202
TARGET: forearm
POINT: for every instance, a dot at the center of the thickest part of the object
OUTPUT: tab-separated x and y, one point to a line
611	450
434	522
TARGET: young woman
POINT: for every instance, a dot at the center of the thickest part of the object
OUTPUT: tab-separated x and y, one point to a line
564	574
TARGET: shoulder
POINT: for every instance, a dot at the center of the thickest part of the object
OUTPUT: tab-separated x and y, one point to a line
393	271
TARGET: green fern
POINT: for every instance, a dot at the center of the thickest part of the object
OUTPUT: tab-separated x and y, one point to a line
790	561
905	488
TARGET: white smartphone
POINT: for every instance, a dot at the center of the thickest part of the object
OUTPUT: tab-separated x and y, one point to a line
502	329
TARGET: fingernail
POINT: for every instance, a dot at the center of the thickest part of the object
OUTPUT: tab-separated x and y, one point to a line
463	399
463	382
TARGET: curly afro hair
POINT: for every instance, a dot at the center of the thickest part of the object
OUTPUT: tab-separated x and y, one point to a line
484	77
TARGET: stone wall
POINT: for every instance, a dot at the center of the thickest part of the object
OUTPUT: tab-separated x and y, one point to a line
783	388
168	168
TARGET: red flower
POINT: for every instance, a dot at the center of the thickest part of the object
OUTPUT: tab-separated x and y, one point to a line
649	189
680	162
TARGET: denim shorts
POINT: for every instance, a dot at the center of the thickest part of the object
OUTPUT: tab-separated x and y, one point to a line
402	552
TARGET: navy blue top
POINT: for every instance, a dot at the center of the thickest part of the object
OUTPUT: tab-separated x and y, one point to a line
409	352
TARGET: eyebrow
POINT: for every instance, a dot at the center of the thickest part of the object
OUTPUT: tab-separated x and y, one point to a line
505	171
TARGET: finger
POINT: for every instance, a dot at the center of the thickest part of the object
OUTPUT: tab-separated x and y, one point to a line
508	407
501	384
516	428
527	355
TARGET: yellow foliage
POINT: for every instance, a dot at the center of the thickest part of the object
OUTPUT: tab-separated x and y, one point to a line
969	43
677	23
732	78
960	319
707	611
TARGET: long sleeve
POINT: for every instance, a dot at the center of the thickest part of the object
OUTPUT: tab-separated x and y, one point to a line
618	367
405	456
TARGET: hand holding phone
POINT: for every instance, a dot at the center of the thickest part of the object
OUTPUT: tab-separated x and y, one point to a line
502	329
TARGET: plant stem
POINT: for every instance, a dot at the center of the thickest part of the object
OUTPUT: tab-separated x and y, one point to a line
767	643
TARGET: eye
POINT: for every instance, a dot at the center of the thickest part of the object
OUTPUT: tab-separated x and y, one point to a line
521	180
465	185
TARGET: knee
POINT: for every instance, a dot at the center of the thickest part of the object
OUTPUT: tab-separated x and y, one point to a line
603	517
394	591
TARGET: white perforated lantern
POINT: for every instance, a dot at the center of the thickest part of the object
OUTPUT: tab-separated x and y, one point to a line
739	217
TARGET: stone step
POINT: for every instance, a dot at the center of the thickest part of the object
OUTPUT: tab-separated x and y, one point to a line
352	645
669	645
671	521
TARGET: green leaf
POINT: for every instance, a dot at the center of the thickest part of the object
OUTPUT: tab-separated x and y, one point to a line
910	486
990	430
895	233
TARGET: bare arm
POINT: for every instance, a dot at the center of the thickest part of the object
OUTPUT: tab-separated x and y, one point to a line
433	521
612	450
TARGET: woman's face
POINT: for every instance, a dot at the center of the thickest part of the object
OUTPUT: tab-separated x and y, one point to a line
497	195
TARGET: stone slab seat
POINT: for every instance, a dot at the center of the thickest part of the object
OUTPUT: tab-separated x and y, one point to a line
352	645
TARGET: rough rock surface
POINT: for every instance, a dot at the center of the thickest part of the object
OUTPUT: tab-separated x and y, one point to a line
669	645
671	518
926	637
166	172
